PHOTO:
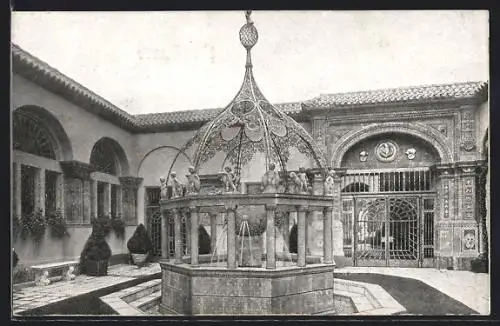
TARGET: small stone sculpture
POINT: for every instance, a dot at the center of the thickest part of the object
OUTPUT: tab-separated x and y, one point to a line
177	187
69	276
44	279
270	180
410	153
293	183
193	181
304	182
229	180
163	187
329	183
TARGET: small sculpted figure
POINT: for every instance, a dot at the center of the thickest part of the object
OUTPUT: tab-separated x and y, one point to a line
270	180
69	276
193	181
177	188
328	187
293	183
304	182
163	187
229	180
44	279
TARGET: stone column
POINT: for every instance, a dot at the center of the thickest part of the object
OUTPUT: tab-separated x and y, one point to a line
231	236
107	199
17	189
40	190
119	201
60	193
188	232
194	235
213	231
301	235
327	236
94	195
270	237
87	200
164	235
337	227
141	208
177	236
286	234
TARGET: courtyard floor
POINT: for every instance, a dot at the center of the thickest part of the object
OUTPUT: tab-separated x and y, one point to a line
469	288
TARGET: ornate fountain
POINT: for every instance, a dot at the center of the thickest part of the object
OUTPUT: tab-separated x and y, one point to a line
239	276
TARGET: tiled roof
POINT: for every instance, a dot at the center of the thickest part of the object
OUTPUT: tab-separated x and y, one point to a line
39	72
197	116
398	95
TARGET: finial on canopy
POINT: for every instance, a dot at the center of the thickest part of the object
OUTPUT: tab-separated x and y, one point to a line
247	16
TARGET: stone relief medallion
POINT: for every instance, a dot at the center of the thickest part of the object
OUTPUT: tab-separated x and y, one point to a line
469	240
386	151
363	156
410	153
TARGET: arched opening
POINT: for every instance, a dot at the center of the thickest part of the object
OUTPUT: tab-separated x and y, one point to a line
39	142
108	156
388	194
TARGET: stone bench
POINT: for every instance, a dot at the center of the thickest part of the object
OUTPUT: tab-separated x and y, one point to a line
42	271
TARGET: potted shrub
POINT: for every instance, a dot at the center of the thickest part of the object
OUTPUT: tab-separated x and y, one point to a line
480	264
140	245
96	252
118	226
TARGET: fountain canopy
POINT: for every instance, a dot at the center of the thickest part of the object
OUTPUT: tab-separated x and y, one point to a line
250	124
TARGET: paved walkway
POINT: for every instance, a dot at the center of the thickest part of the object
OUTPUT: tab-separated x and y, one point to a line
472	289
469	288
37	296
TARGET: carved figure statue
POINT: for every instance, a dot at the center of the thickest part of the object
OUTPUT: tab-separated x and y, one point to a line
328	186
193	181
44	279
270	180
304	182
69	276
293	183
177	187
163	187
229	179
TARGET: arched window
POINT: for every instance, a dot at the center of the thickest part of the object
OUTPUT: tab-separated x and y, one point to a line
31	135
103	157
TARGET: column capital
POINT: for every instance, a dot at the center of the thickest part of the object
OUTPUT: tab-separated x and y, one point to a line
469	168
193	209
271	207
77	169
443	169
328	209
302	208
230	207
130	182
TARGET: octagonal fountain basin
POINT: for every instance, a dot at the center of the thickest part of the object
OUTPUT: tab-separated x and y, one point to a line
208	289
349	298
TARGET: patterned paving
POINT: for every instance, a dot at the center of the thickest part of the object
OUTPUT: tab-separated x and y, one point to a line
472	289
38	296
469	288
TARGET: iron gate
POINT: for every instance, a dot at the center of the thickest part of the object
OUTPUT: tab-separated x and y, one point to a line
389	230
154	217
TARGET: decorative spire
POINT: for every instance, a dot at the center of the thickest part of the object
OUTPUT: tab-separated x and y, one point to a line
248	37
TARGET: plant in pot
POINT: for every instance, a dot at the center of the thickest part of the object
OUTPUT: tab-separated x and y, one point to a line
96	252
140	245
250	225
118	226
